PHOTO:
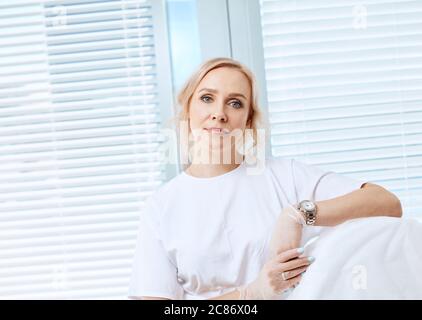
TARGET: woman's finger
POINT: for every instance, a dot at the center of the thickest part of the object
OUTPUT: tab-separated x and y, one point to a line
284	285
296	263
286	275
289	254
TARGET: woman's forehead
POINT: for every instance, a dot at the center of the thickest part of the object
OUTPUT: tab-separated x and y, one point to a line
226	81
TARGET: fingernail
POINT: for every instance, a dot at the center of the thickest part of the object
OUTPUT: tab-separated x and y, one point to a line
311	259
300	250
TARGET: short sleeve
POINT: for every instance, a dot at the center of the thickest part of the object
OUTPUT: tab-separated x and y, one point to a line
153	274
313	183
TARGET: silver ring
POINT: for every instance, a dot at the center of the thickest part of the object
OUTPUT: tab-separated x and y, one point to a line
283	276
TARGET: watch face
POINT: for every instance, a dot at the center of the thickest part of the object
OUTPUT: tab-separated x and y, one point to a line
309	206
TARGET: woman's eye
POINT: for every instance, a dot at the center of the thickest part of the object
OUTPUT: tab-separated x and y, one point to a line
236	104
206	99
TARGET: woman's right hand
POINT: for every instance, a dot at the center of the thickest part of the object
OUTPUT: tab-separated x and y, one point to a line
270	283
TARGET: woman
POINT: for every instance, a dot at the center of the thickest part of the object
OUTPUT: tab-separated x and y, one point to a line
208	232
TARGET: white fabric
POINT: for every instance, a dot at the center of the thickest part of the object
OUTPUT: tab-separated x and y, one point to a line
200	237
366	258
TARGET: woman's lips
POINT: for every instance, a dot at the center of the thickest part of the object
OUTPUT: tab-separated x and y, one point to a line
217	130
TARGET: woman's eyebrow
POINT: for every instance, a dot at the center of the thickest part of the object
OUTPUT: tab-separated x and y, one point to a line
234	94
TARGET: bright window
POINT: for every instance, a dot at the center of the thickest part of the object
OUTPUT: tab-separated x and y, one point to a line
80	86
344	86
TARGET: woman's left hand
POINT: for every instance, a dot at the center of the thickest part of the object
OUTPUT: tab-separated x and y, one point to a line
287	233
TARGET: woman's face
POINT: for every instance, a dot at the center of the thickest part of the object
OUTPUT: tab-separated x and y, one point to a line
222	100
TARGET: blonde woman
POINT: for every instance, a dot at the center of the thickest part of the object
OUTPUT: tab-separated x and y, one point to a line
215	231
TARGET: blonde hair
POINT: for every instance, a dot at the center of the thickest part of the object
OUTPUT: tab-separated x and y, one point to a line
185	94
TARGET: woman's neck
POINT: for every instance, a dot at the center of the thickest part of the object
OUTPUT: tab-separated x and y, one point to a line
208	168
202	170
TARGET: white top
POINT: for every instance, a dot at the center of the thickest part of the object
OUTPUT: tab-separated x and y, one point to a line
200	237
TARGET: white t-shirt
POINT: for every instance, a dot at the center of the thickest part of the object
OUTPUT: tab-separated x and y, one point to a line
201	237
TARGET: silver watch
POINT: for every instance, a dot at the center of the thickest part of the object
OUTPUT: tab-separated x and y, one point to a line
309	211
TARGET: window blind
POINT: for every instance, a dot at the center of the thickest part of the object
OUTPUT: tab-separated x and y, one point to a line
344	82
79	139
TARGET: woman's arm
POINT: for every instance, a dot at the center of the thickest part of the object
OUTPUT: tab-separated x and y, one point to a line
369	201
269	282
278	274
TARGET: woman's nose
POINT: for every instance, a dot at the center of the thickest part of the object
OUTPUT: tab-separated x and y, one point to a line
219	117
219	114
